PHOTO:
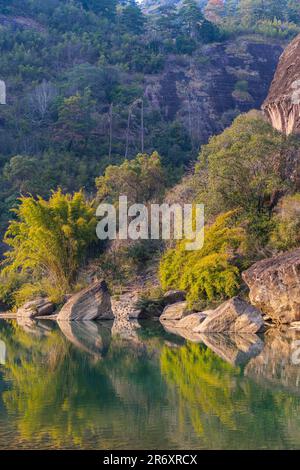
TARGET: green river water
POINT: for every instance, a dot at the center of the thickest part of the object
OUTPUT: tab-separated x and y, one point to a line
90	386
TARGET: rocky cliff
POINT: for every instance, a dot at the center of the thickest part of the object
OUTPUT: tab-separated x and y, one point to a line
207	91
282	105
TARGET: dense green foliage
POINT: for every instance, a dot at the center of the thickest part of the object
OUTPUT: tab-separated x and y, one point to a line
75	72
210	273
48	242
78	109
274	18
245	168
142	179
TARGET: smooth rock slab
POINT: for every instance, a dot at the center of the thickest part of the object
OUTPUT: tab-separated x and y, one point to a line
92	303
233	316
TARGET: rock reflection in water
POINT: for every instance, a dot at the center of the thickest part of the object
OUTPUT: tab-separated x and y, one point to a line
91	337
36	327
234	349
278	363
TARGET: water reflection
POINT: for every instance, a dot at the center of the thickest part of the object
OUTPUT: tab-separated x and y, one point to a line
236	349
92	337
87	385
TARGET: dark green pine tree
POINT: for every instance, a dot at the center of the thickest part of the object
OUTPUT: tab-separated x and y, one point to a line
132	17
191	17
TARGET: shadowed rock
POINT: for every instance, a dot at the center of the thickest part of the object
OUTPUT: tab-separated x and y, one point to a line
36	308
173	296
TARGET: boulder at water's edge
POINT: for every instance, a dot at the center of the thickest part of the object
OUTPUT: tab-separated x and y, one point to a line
92	303
275	286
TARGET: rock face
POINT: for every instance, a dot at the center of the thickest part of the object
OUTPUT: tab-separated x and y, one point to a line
234	316
174	312
126	306
205	93
282	105
275	286
92	303
17	22
36	308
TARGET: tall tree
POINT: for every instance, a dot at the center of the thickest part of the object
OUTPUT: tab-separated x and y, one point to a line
75	122
191	17
132	18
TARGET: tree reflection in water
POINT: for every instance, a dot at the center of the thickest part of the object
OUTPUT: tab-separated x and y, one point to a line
89	388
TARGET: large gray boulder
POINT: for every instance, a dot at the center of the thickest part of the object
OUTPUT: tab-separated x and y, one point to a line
40	307
233	316
92	303
185	326
275	286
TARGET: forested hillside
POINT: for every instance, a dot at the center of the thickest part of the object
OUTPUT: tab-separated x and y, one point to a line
96	86
92	82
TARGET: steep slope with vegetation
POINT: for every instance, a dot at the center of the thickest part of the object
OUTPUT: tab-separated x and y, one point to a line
91	85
